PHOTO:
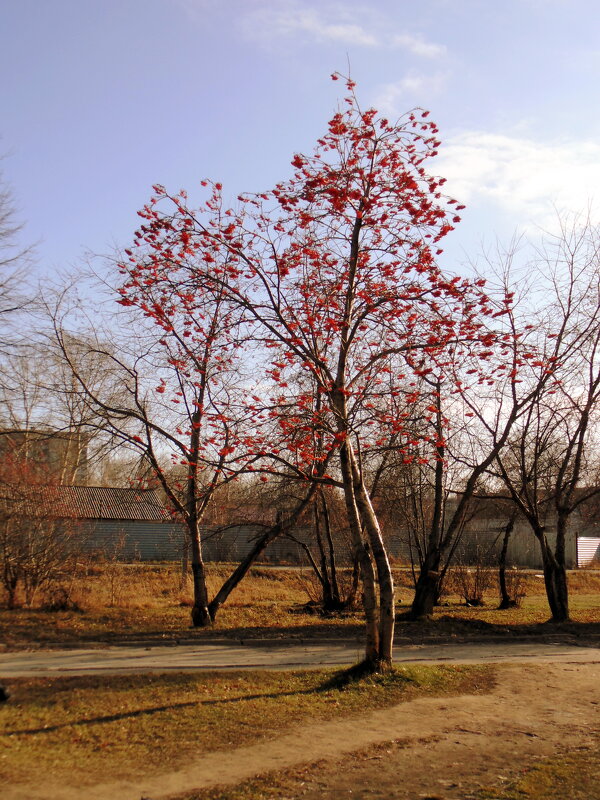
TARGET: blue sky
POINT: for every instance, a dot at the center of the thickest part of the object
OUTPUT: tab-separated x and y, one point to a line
102	98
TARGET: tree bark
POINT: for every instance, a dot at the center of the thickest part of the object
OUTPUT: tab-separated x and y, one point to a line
555	575
387	612
201	617
335	588
242	568
427	590
363	556
506	601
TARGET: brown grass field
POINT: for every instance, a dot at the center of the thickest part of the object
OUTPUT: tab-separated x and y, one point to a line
120	602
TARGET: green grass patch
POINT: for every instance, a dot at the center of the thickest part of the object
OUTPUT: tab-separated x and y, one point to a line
68	729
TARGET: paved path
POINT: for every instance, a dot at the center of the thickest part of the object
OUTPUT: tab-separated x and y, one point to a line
275	655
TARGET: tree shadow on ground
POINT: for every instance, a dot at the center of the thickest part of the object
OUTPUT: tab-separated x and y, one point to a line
449	627
338	681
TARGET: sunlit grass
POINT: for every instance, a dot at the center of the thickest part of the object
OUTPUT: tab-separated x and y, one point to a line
66	728
147	602
572	775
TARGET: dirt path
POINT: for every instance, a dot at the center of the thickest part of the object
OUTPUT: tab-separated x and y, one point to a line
438	747
268	654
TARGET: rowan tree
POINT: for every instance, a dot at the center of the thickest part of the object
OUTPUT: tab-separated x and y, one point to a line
335	274
173	393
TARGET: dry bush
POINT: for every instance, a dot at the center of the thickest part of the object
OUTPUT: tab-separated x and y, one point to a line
306	581
471	582
515	587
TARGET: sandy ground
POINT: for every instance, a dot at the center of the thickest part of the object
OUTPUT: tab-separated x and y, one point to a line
431	747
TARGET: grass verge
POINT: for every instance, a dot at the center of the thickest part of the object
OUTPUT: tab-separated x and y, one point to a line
68	729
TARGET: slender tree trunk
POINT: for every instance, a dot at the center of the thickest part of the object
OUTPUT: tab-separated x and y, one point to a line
335	589
200	613
428	587
327	595
506	601
363	557
367	516
387	612
427	590
260	544
185	561
560	571
350	598
242	569
11	593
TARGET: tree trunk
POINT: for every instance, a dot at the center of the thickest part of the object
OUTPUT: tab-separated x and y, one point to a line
327	593
557	591
366	515
185	561
506	601
242	568
387	612
350	598
555	579
428	587
427	590
200	615
335	589
362	555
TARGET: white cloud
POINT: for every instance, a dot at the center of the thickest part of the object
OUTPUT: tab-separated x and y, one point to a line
529	179
290	19
418	46
329	22
394	99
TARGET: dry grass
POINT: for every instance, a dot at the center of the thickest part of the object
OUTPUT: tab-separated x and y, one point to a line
67	728
572	775
128	602
143	601
566	776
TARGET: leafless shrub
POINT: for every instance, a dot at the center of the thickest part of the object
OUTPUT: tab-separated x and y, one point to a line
471	582
515	588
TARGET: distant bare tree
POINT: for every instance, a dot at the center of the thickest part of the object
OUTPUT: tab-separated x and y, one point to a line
37	549
15	263
549	465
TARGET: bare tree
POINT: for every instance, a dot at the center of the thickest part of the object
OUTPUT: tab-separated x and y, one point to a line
548	465
15	262
37	547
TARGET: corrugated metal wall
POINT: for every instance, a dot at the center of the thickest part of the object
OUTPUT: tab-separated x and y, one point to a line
588	550
148	541
134	541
